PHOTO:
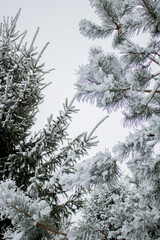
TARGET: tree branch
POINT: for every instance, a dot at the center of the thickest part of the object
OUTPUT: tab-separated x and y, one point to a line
2	101
114	22
152	59
97	125
38	224
100	65
151	13
127	89
101	231
149	10
152	95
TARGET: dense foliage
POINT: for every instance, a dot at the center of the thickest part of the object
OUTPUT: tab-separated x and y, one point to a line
127	79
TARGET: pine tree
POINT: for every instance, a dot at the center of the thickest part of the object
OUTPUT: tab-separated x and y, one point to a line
34	203
127	79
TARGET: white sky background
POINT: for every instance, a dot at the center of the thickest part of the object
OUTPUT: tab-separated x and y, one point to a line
58	21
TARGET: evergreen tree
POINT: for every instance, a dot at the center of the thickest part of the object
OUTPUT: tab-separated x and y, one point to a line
34	204
128	79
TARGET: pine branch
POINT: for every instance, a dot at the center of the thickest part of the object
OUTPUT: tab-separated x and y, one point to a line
34	38
100	65
23	36
118	26
97	125
13	24
38	224
72	101
142	53
101	231
6	90
149	10
152	59
129	89
2	101
114	22
151	13
152	95
42	51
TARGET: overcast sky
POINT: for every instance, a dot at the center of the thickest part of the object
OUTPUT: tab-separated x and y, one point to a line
58	21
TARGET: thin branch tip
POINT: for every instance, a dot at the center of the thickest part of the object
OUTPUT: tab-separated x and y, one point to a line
97	125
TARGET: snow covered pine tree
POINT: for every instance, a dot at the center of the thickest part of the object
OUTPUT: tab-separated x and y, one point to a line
31	167
128	79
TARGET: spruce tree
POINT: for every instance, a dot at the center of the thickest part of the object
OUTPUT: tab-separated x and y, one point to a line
127	79
34	203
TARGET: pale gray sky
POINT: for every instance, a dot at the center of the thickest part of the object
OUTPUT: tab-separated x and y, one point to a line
58	21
